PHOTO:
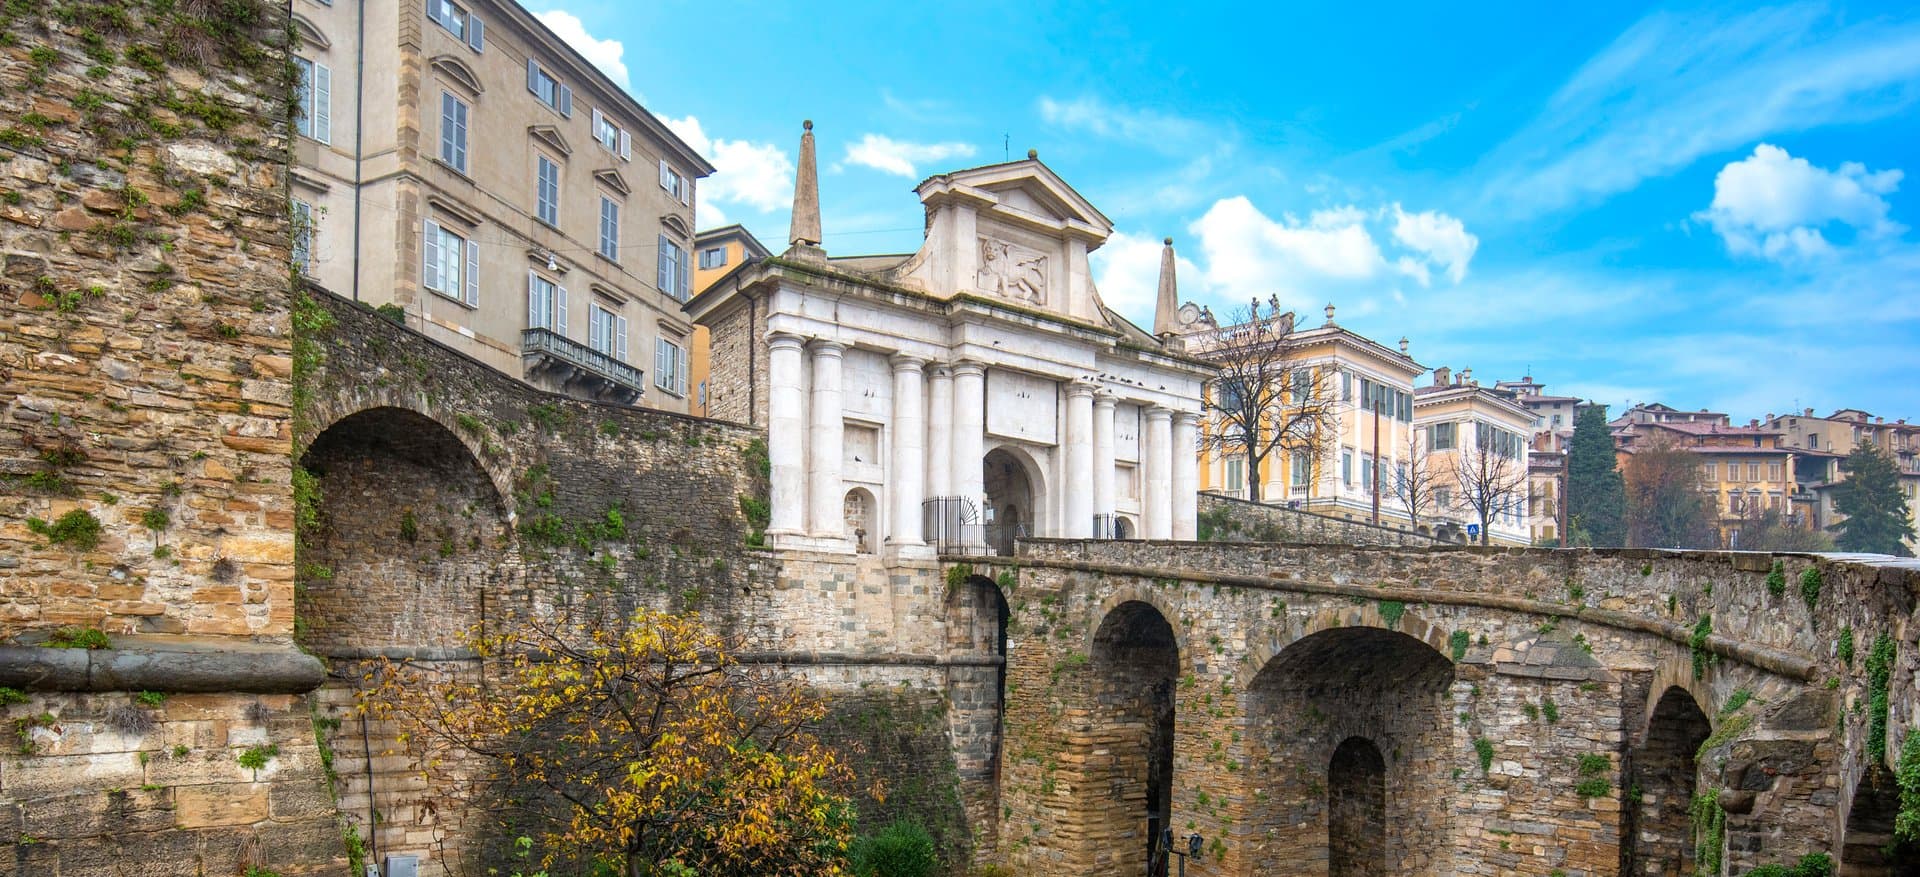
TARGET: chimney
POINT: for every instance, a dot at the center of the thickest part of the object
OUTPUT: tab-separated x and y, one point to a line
1440	376
1809	412
1466	376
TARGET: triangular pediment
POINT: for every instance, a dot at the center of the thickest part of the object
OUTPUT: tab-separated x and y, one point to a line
1025	191
550	136
613	181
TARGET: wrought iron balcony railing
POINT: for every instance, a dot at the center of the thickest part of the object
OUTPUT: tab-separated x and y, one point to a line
544	350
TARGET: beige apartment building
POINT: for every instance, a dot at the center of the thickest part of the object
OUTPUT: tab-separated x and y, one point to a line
1822	442
1477	445
461	168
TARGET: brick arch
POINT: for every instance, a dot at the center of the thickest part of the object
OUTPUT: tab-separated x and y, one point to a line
1673	671
1413	624
324	414
1134	593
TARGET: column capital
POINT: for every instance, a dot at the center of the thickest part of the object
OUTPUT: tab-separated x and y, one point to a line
1104	399
1079	388
784	340
1186	418
967	367
1157	412
907	362
826	347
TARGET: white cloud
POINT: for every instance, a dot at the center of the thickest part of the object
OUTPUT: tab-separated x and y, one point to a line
1676	87
899	157
604	54
758	175
1439	238
1126	269
1162	131
1774	205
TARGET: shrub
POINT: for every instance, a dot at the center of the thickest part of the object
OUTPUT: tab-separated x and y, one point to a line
1810	582
902	849
1777	579
79	638
77	528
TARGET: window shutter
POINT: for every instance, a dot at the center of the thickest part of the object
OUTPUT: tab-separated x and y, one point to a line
664	172
476	33
599	119
665	280
620	338
680	370
322	103
684	276
626	145
430	255
560	310
594	328
565	100
536	312
473	273
533	76
686	192
659	358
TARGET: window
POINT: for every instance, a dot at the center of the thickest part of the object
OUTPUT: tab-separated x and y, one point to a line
302	236
1302	465
1302	386
1232	395
1753	472
1366	472
1346	467
546	304
1813	440
611	136
1236	477
548	90
547	191
609	228
674	279
675	184
1346	386
1556	421
713	257
670	366
1440	437
1774	471
607	332
450	264
314	89
459	22
1709	471
1733	471
1442	497
453	132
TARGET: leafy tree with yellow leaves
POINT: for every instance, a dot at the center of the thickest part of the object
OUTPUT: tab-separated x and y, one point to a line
643	751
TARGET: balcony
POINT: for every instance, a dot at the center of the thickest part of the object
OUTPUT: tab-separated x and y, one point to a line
579	368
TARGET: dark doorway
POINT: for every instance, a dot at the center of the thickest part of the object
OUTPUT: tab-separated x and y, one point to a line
1357	810
1870	849
1010	500
1659	831
1136	662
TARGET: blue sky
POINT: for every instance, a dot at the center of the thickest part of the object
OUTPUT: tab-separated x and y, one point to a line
1701	205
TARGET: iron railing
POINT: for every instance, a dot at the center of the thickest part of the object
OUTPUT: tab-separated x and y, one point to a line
951	523
557	349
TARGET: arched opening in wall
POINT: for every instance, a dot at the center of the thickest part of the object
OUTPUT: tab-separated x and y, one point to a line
1135	662
1868	848
409	525
1658	831
1328	719
860	520
1009	478
1356	810
1123	527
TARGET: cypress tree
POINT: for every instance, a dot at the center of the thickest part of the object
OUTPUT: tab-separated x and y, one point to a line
1596	494
1878	518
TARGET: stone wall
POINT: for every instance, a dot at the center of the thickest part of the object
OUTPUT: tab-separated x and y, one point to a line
739	344
1226	519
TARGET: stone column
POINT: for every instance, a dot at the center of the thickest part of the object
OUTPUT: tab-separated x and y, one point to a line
939	431
786	437
970	440
1186	475
908	468
826	491
1078	484
1102	487
1156	507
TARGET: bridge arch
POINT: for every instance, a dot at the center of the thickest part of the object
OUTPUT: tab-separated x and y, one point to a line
1657	831
406	518
1134	659
1327	720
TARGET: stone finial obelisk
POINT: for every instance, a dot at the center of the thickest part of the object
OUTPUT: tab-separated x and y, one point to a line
1166	306
804	239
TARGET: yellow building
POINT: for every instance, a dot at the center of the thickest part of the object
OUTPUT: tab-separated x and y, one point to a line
717	253
1361	376
1745	471
1820	443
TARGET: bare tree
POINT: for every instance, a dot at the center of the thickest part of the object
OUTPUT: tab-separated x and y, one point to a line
1264	399
1416	484
1491	479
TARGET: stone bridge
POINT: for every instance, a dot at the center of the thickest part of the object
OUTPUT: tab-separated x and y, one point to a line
1328	710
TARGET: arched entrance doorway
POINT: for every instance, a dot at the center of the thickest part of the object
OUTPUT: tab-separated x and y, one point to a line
1659	830
1012	499
1123	527
859	513
1135	662
1327	719
1356	810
